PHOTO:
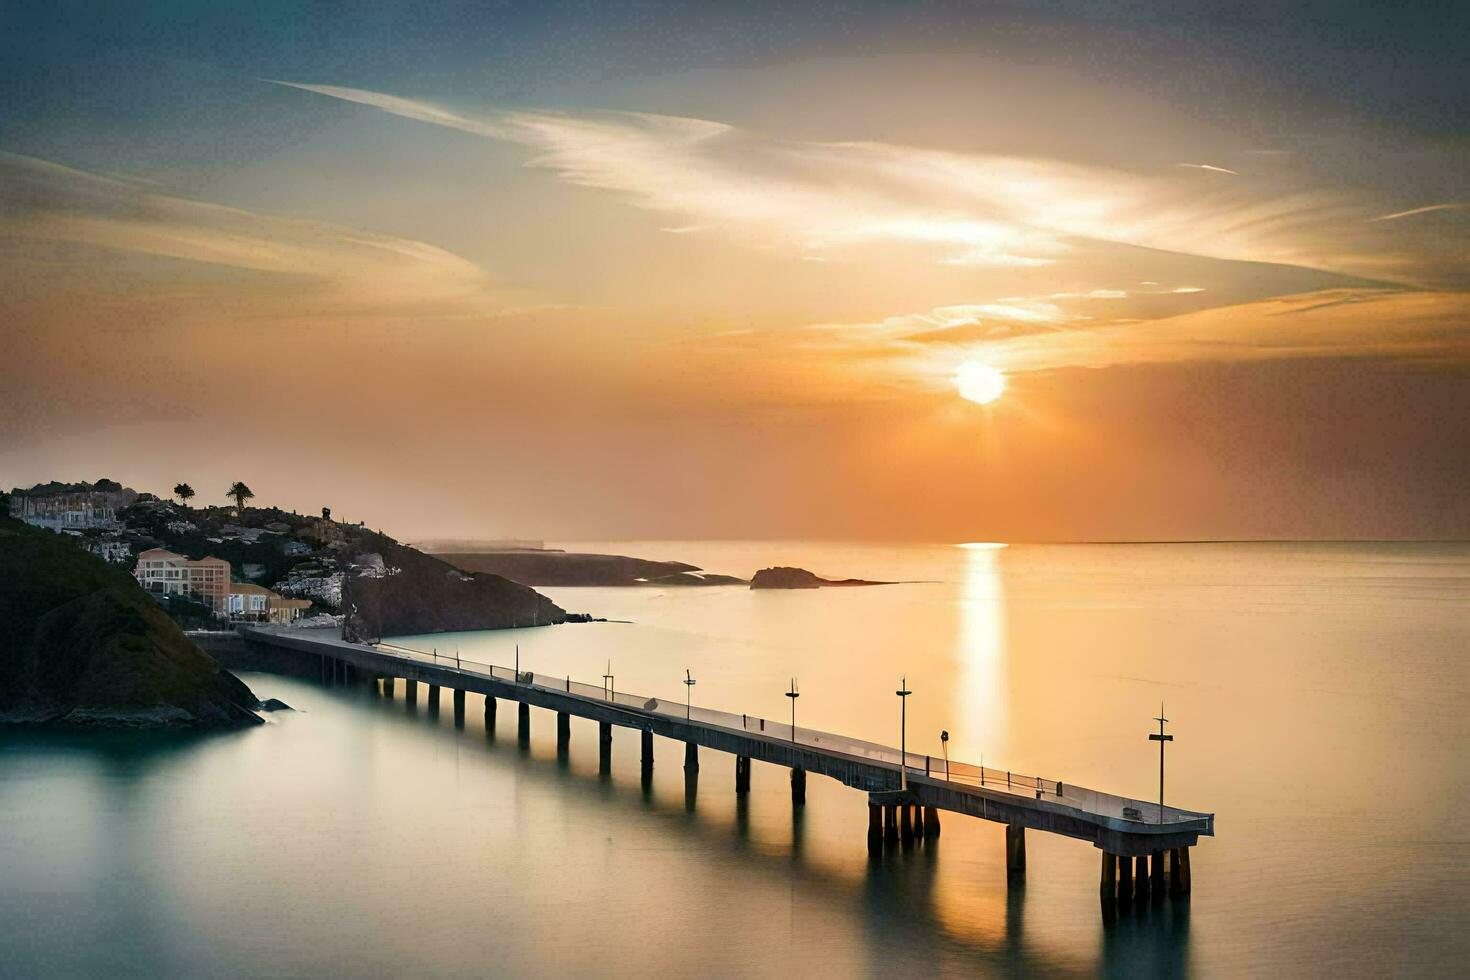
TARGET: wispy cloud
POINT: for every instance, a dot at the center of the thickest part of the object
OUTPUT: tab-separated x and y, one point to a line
1211	167
43	201
919	351
965	209
1450	206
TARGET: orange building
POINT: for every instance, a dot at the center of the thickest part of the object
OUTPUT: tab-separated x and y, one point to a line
207	579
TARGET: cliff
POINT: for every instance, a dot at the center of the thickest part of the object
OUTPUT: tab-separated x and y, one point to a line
395	590
82	644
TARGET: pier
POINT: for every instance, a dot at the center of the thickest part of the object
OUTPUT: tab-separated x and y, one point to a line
1145	846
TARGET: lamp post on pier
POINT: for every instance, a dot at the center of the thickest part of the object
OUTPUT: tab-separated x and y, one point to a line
944	744
1161	738
607	683
793	694
689	683
903	693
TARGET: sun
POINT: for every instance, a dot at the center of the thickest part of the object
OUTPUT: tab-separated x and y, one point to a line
979	383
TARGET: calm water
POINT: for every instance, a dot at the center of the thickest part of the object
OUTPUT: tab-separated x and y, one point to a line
1319	694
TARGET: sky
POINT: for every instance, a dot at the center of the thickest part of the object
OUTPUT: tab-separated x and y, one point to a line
648	270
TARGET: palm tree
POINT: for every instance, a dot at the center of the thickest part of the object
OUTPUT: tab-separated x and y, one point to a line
241	493
184	492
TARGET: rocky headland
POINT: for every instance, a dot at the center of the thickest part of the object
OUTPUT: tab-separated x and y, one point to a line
391	589
569	568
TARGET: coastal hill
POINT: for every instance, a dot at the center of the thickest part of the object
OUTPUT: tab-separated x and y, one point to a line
81	643
394	590
785	577
570	568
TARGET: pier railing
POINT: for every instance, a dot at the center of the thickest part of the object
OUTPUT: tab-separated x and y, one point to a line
1056	791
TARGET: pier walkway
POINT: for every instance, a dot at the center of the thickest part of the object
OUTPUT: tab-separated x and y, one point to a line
1144	847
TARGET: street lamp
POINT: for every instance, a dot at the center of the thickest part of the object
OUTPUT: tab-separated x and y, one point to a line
793	694
944	743
1161	738
689	683
607	683
903	693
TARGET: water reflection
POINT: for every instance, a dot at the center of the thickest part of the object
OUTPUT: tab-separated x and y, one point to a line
981	689
905	899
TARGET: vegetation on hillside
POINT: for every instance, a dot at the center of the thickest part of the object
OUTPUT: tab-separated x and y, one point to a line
82	643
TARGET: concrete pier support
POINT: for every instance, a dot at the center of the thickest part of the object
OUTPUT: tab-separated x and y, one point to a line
691	757
875	828
388	688
798	787
890	822
523	721
931	822
1157	885
563	729
489	713
742	775
433	699
458	708
1140	879
1015	851
1125	880
411	693
905	823
1107	889
1179	873
604	748
647	753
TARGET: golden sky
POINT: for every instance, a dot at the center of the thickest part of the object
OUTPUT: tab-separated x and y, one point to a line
728	296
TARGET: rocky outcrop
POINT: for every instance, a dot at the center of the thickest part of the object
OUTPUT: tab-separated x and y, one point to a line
395	590
82	644
570	568
786	577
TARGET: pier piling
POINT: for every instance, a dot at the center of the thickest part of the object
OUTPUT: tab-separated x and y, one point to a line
411	693
742	775
691	757
798	786
523	721
1179	873
388	688
1015	851
563	729
875	828
647	753
931	822
458	708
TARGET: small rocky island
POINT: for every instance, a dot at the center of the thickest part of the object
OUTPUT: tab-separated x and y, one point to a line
82	644
786	577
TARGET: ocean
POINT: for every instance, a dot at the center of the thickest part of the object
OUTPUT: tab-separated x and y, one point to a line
1318	694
